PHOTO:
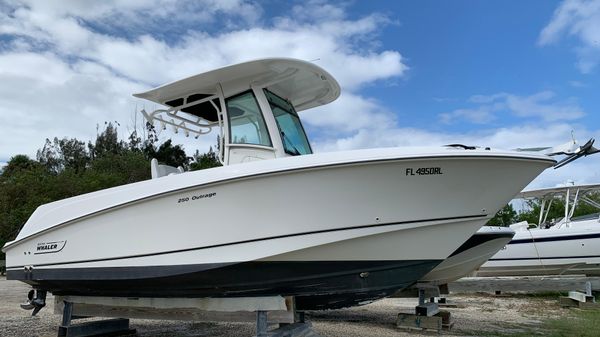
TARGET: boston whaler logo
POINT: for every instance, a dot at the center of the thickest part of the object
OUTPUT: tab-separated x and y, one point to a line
50	247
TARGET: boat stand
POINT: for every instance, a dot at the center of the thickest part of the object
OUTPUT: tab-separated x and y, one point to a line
427	314
300	328
442	299
261	310
110	327
581	300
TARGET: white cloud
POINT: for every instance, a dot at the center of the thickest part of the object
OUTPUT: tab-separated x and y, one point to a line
542	105
584	170
480	115
579	19
487	98
349	113
67	66
577	84
154	59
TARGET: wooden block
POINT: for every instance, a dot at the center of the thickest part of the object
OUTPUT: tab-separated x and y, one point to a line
409	321
265	303
427	309
294	329
113	327
589	305
183	314
567	302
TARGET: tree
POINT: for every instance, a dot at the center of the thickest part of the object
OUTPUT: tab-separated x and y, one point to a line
61	154
205	160
66	167
168	154
505	217
73	154
107	142
18	164
557	209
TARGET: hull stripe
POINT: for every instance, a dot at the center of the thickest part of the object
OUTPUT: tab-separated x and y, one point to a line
479	239
557	238
546	258
256	240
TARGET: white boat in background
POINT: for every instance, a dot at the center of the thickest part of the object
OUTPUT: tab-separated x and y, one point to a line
479	248
556	247
333	229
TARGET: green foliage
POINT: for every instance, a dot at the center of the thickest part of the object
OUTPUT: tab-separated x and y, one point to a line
505	217
61	154
168	154
107	143
205	160
557	209
68	167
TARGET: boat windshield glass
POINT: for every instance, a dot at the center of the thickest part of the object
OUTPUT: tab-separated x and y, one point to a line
246	122
291	130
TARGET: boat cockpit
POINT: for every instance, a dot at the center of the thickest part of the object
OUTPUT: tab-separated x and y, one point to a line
253	105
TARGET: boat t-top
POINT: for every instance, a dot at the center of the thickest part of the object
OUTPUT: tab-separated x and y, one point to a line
332	229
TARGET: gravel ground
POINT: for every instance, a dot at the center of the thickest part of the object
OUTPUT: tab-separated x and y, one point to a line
483	315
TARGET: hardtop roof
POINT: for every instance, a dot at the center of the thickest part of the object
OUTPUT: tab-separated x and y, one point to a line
549	192
303	83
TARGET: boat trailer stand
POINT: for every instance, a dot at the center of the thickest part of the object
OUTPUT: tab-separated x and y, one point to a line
263	311
111	327
299	328
427	315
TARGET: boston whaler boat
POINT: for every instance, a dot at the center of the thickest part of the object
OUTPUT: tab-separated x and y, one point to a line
563	246
333	229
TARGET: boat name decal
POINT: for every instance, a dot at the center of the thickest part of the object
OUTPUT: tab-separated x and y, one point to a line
423	171
197	197
50	247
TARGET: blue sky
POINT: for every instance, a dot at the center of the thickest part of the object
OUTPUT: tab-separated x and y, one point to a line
459	49
492	73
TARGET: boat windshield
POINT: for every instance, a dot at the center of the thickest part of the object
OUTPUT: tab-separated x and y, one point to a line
292	133
246	123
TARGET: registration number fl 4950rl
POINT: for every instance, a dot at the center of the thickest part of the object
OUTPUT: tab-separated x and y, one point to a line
423	171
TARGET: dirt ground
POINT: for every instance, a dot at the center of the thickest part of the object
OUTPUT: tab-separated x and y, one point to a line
483	315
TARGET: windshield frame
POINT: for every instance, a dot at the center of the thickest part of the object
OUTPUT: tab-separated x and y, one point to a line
289	109
263	127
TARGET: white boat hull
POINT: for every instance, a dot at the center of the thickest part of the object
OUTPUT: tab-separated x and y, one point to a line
554	251
289	230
